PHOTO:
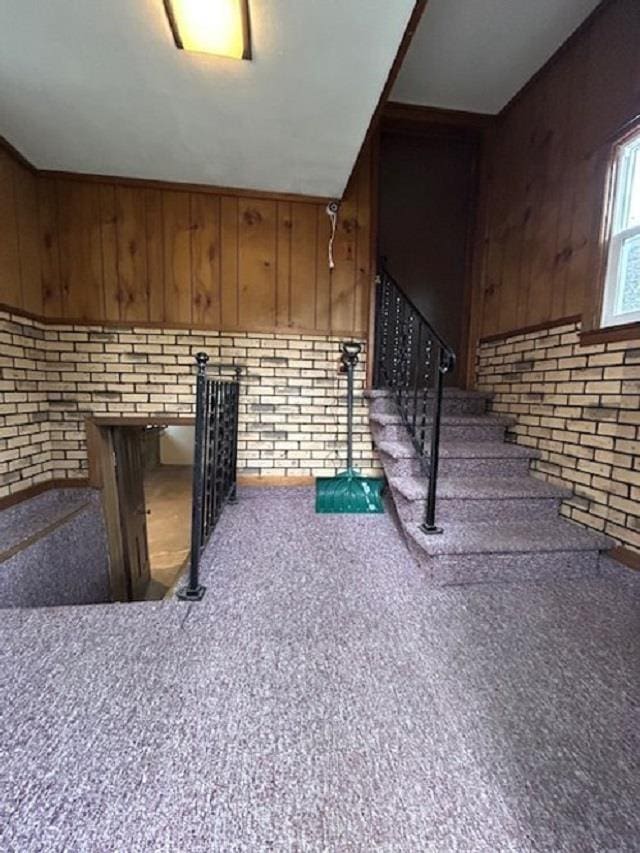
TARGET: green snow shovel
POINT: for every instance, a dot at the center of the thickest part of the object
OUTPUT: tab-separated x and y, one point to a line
348	491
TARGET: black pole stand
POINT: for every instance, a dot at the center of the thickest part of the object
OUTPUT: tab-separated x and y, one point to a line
429	526
194	591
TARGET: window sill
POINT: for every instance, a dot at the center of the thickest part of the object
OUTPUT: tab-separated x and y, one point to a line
611	334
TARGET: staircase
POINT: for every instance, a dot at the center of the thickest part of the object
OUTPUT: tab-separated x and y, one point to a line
488	520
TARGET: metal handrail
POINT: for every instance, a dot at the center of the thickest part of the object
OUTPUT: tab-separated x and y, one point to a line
383	271
215	460
411	360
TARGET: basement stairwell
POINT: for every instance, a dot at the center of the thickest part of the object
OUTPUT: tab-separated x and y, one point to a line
494	522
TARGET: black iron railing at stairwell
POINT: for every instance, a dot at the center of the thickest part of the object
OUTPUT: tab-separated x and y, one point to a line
411	360
214	460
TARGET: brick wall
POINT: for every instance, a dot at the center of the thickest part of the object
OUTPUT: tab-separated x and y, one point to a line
25	439
292	419
579	406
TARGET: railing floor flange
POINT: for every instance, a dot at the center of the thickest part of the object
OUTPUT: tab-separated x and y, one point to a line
430	531
188	594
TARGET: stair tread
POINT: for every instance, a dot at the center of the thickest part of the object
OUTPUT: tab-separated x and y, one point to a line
461	450
480	487
392	419
451	392
509	537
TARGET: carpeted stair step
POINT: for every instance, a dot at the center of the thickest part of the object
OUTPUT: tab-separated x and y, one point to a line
462	498
400	458
486	552
454	402
390	427
500	524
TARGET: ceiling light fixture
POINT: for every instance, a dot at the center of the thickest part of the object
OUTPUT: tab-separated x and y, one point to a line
220	27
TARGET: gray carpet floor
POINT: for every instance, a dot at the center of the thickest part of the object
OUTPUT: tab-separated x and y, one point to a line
322	698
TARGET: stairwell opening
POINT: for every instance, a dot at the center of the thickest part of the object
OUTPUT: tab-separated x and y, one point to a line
144	469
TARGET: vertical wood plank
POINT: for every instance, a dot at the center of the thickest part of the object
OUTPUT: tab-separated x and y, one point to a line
177	257
256	263
113	293
283	272
132	254
206	259
26	196
154	236
303	266
81	272
49	249
323	273
343	276
9	258
229	262
364	273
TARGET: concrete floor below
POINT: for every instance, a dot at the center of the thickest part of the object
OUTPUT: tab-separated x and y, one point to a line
168	501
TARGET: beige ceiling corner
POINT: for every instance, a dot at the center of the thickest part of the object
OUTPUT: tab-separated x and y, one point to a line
476	54
99	88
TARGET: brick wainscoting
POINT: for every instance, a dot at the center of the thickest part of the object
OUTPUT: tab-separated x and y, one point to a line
579	406
292	420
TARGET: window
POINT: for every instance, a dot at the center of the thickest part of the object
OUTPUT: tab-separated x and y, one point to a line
621	302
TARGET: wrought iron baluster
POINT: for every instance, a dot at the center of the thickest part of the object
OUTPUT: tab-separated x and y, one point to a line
425	370
415	367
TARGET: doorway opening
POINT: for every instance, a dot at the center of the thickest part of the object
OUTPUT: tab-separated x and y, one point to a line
168	486
144	469
427	200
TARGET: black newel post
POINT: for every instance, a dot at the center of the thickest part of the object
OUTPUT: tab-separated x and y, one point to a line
235	415
429	525
194	590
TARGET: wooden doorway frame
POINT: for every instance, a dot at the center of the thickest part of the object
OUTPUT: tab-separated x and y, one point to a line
102	476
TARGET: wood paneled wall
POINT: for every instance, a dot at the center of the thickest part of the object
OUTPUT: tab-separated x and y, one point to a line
547	171
20	268
79	249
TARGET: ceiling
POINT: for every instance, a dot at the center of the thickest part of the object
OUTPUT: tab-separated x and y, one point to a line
475	55
99	87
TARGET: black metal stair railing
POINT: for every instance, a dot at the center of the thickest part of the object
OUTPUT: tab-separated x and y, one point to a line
215	460
411	360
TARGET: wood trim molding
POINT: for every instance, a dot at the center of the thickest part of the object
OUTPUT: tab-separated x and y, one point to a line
40	488
268	480
526	330
628	558
41	533
141	420
359	334
178	186
12	151
627	332
150	183
418	118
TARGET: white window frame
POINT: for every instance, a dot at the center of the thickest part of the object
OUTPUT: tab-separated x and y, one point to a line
626	157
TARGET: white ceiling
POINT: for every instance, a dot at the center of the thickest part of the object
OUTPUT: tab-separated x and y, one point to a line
476	54
97	86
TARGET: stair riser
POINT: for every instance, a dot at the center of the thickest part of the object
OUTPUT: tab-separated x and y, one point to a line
465	569
453	432
487	467
480	509
450	406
